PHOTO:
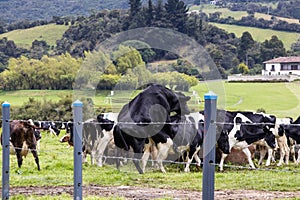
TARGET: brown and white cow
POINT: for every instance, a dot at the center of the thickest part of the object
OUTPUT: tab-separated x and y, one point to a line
23	140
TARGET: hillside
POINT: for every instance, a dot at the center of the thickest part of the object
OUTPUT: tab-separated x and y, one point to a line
45	10
225	12
24	37
260	34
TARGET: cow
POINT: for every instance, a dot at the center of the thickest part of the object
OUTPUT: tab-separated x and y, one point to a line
242	129
97	133
282	140
47	126
292	131
187	135
145	116
23	138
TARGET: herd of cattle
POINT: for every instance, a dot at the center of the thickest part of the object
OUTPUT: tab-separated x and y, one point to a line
158	123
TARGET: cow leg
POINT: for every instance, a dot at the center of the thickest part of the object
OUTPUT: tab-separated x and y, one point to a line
222	161
102	146
136	163
298	159
262	154
270	153
19	157
189	160
293	153
146	154
118	154
287	155
36	158
163	149
154	152
248	154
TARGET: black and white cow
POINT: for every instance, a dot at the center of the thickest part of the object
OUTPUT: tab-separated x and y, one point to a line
186	134
245	128
145	116
292	131
47	126
97	133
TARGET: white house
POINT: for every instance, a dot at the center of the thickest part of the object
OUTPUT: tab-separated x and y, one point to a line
282	66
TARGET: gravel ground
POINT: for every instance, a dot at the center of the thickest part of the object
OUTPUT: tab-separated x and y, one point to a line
131	192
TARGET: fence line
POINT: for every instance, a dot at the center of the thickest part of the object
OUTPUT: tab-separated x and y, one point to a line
170	123
180	162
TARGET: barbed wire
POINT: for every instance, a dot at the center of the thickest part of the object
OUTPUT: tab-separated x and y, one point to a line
164	123
170	161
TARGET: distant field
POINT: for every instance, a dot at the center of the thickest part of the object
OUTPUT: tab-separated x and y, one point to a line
259	34
24	37
239	14
281	99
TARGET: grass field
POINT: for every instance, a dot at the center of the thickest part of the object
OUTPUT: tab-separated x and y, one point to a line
238	14
56	162
281	99
24	38
261	35
56	159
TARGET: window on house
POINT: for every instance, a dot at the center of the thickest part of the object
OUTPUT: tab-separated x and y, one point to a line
273	68
294	67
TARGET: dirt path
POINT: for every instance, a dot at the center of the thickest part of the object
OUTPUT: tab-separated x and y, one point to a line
131	192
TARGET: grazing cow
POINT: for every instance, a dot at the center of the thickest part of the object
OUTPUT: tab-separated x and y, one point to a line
145	116
23	139
67	138
247	128
47	126
292	131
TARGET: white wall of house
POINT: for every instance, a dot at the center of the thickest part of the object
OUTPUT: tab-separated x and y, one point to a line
281	69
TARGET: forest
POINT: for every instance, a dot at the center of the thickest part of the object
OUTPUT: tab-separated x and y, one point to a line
56	65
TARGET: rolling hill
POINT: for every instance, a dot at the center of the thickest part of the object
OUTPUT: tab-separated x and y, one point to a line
260	34
24	37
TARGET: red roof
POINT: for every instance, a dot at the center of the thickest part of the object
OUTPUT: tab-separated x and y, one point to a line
292	59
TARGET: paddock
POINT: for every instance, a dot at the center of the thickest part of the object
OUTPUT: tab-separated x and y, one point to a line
57	178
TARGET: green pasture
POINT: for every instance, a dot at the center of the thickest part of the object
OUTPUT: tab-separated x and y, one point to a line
24	37
280	99
56	161
260	35
207	8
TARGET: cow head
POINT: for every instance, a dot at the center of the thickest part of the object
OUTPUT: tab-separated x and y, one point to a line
223	142
179	104
105	124
270	138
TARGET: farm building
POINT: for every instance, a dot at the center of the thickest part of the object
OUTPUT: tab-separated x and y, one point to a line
282	66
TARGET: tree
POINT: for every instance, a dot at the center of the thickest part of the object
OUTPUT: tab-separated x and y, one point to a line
150	13
135	7
176	12
272	48
245	44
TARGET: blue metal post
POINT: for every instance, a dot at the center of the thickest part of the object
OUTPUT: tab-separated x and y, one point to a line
209	150
77	140
5	149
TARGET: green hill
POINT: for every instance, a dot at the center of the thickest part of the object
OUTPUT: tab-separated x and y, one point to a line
260	34
24	37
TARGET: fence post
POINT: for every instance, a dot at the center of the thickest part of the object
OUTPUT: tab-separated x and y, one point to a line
209	150
77	140
5	149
